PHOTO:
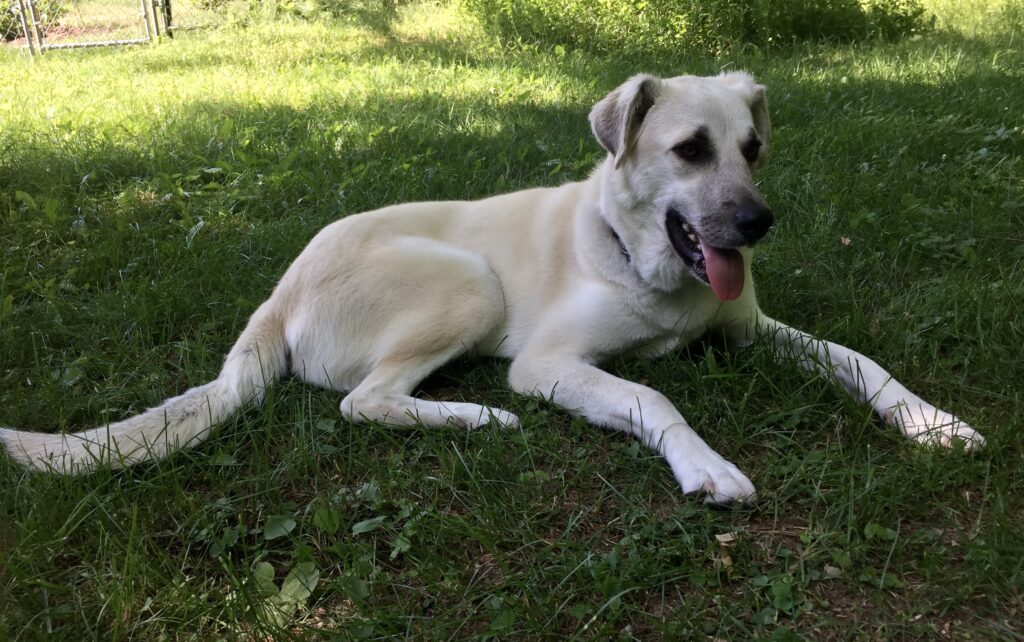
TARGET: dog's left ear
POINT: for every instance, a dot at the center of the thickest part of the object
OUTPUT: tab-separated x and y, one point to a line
755	96
616	119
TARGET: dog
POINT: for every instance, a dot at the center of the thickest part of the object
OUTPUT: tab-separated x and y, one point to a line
651	251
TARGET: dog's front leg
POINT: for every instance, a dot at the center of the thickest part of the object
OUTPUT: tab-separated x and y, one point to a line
868	382
608	401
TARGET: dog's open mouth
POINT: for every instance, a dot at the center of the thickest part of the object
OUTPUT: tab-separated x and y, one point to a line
721	268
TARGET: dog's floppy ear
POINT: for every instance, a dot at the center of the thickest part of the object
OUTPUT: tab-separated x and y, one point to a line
755	96
617	117
762	124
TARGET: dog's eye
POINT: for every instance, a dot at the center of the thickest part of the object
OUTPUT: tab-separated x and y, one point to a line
751	149
691	151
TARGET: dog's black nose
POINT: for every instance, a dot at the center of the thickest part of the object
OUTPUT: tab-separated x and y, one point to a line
753	221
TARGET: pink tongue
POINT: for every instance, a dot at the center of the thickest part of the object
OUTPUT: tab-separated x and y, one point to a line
725	270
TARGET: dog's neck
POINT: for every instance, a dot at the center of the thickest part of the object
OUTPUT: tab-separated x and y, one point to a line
625	236
604	249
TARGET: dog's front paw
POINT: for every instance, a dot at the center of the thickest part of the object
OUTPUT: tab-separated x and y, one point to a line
503	418
719	481
470	415
933	427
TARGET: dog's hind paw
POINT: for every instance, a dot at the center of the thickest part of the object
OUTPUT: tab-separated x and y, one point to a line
933	427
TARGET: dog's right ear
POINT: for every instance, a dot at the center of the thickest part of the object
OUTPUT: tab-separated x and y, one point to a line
616	119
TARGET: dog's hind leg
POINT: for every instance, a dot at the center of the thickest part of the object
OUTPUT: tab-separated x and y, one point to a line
445	301
385	397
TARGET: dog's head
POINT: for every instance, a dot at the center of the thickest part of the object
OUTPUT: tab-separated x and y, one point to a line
683	199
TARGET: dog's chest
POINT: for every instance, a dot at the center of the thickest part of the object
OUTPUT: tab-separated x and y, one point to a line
674	321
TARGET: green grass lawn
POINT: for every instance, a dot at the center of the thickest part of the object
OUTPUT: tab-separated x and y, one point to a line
150	198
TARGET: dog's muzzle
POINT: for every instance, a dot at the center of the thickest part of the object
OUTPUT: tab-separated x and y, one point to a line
721	268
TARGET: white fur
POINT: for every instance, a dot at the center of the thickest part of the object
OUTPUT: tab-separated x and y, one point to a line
379	300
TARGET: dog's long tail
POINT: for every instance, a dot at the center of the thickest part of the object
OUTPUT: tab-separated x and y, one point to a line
258	358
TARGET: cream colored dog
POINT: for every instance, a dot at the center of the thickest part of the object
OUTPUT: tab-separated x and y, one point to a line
650	252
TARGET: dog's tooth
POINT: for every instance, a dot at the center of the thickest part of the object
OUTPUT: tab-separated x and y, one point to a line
693	237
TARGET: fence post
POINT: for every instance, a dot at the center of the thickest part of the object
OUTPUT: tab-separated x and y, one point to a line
35	24
156	17
167	19
23	13
145	19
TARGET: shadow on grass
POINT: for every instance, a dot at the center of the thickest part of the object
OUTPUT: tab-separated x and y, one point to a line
450	149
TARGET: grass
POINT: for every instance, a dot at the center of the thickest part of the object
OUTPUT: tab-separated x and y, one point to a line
151	197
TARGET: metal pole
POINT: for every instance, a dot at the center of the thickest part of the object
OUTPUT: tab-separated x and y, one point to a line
168	22
35	24
24	26
156	18
145	19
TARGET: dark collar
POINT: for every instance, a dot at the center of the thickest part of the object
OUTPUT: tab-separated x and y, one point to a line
622	246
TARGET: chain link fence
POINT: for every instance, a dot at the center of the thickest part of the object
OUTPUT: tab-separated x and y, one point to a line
194	14
43	25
